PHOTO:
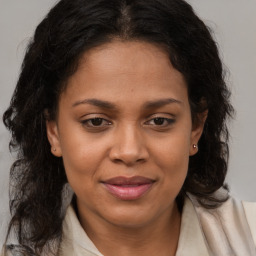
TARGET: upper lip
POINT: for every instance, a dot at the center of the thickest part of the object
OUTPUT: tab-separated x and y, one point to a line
135	180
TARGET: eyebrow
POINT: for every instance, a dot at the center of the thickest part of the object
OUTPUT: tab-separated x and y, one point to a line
110	106
97	103
160	103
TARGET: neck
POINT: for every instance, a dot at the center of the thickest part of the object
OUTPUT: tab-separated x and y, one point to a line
159	237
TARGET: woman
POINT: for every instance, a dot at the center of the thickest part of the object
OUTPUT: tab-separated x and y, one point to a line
126	102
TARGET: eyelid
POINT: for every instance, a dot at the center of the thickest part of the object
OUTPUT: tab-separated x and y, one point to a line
85	121
93	118
160	114
170	119
106	122
95	115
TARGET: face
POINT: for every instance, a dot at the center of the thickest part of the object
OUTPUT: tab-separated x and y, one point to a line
125	133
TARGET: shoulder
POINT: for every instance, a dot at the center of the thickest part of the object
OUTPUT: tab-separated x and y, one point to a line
75	240
250	213
230	226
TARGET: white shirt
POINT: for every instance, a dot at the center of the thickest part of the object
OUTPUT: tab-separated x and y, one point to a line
229	230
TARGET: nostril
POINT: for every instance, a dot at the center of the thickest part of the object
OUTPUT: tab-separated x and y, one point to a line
128	147
128	162
117	161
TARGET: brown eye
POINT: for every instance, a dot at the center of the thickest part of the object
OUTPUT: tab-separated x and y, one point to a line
159	121
95	122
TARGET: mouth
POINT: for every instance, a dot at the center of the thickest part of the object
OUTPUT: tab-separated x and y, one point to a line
128	188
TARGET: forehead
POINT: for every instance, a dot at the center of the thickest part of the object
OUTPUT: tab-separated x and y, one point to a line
128	71
127	57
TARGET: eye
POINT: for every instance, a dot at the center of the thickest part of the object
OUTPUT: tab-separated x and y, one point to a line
160	121
95	122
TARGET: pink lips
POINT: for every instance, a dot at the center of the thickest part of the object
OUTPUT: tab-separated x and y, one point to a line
128	188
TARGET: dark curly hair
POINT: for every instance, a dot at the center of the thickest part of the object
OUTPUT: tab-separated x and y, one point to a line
71	28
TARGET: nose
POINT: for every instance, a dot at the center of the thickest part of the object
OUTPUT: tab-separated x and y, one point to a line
128	146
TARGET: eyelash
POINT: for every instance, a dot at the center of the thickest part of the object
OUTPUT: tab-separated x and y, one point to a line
168	121
88	122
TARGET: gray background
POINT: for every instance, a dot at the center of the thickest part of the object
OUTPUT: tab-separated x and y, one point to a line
234	24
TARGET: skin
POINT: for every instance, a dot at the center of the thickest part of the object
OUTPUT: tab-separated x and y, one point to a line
128	140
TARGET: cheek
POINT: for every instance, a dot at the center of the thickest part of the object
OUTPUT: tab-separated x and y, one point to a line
174	149
85	159
77	149
81	161
80	157
172	156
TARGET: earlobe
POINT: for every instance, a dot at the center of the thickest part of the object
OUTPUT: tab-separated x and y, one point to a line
197	131
53	137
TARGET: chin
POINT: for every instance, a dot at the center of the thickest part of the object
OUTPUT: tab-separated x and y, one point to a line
129	217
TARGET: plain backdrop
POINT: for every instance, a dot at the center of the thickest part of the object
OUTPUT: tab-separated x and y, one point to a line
234	26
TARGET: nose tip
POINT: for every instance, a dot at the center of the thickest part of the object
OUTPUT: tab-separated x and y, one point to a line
126	157
129	148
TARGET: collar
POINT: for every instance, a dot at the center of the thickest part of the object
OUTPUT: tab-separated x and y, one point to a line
191	240
75	241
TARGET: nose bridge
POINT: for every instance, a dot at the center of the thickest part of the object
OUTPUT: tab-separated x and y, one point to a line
129	146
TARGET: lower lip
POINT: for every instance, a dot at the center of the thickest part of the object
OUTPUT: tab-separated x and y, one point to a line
128	192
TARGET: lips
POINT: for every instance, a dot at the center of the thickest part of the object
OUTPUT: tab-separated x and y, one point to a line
128	188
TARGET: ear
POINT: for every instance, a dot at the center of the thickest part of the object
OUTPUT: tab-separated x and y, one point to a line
197	130
53	137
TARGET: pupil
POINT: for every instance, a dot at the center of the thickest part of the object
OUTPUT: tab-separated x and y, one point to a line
96	121
159	121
